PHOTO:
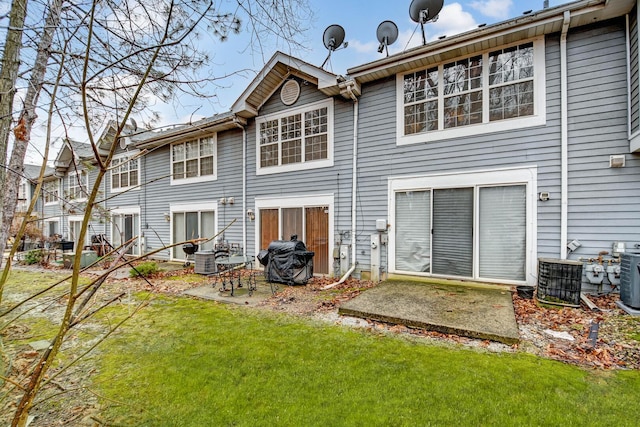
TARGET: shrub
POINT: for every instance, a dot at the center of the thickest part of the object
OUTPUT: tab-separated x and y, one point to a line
35	256
145	269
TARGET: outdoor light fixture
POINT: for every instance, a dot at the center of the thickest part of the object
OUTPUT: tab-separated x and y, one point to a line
167	217
251	214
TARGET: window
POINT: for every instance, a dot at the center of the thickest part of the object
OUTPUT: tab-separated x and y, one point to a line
125	225
194	160
192	223
511	82
491	89
124	172
476	225
78	183
51	227
51	192
75	228
23	193
462	85
295	140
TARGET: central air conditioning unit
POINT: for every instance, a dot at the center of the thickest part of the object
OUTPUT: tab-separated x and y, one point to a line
205	263
559	281
630	280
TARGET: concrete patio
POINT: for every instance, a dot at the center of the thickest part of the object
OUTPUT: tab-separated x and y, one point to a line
471	310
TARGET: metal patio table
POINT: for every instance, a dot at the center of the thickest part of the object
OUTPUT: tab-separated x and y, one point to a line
230	273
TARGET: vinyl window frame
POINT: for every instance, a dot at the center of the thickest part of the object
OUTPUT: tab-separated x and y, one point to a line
486	126
77	186
51	196
117	169
303	164
199	177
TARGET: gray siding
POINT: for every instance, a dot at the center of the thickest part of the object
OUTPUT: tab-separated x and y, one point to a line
603	202
157	195
71	208
380	157
634	72
335	180
52	211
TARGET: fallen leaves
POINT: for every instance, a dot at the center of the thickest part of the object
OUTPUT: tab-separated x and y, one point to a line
608	353
613	349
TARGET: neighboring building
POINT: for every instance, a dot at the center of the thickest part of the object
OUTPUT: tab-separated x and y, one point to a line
469	157
75	173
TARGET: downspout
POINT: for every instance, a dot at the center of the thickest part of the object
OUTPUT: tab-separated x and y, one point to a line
564	136
244	185
354	187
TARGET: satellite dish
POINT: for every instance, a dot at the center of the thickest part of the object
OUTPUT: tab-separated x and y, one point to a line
387	34
333	38
423	11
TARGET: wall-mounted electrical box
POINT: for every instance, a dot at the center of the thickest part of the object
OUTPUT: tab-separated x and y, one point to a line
381	224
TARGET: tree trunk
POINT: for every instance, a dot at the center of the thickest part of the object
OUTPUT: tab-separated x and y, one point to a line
8	77
22	132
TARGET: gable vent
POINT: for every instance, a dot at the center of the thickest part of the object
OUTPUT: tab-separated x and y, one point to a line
290	92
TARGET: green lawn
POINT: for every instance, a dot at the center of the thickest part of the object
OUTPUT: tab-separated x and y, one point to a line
184	362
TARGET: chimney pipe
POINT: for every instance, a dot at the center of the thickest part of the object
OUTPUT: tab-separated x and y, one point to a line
546	4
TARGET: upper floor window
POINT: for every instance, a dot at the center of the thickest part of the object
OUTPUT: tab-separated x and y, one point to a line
296	139
194	160
488	89
23	192
78	184
51	190
124	172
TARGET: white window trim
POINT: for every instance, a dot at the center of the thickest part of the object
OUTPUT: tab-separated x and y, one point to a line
509	176
57	199
129	210
130	187
26	184
49	220
205	178
300	201
191	207
83	185
312	164
77	218
539	117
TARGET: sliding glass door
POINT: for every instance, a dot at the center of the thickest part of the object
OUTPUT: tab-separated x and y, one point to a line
471	232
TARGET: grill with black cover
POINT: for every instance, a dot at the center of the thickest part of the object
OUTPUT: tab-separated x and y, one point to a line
288	262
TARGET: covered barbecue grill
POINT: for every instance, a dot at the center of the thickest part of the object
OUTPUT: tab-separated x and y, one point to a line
287	262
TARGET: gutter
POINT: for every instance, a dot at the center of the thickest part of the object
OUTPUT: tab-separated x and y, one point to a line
545	21
348	86
564	137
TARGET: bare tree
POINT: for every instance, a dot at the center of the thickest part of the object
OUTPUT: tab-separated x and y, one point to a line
110	57
8	78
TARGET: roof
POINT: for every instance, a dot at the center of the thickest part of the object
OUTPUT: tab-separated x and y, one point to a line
279	68
70	150
32	172
545	21
217	123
